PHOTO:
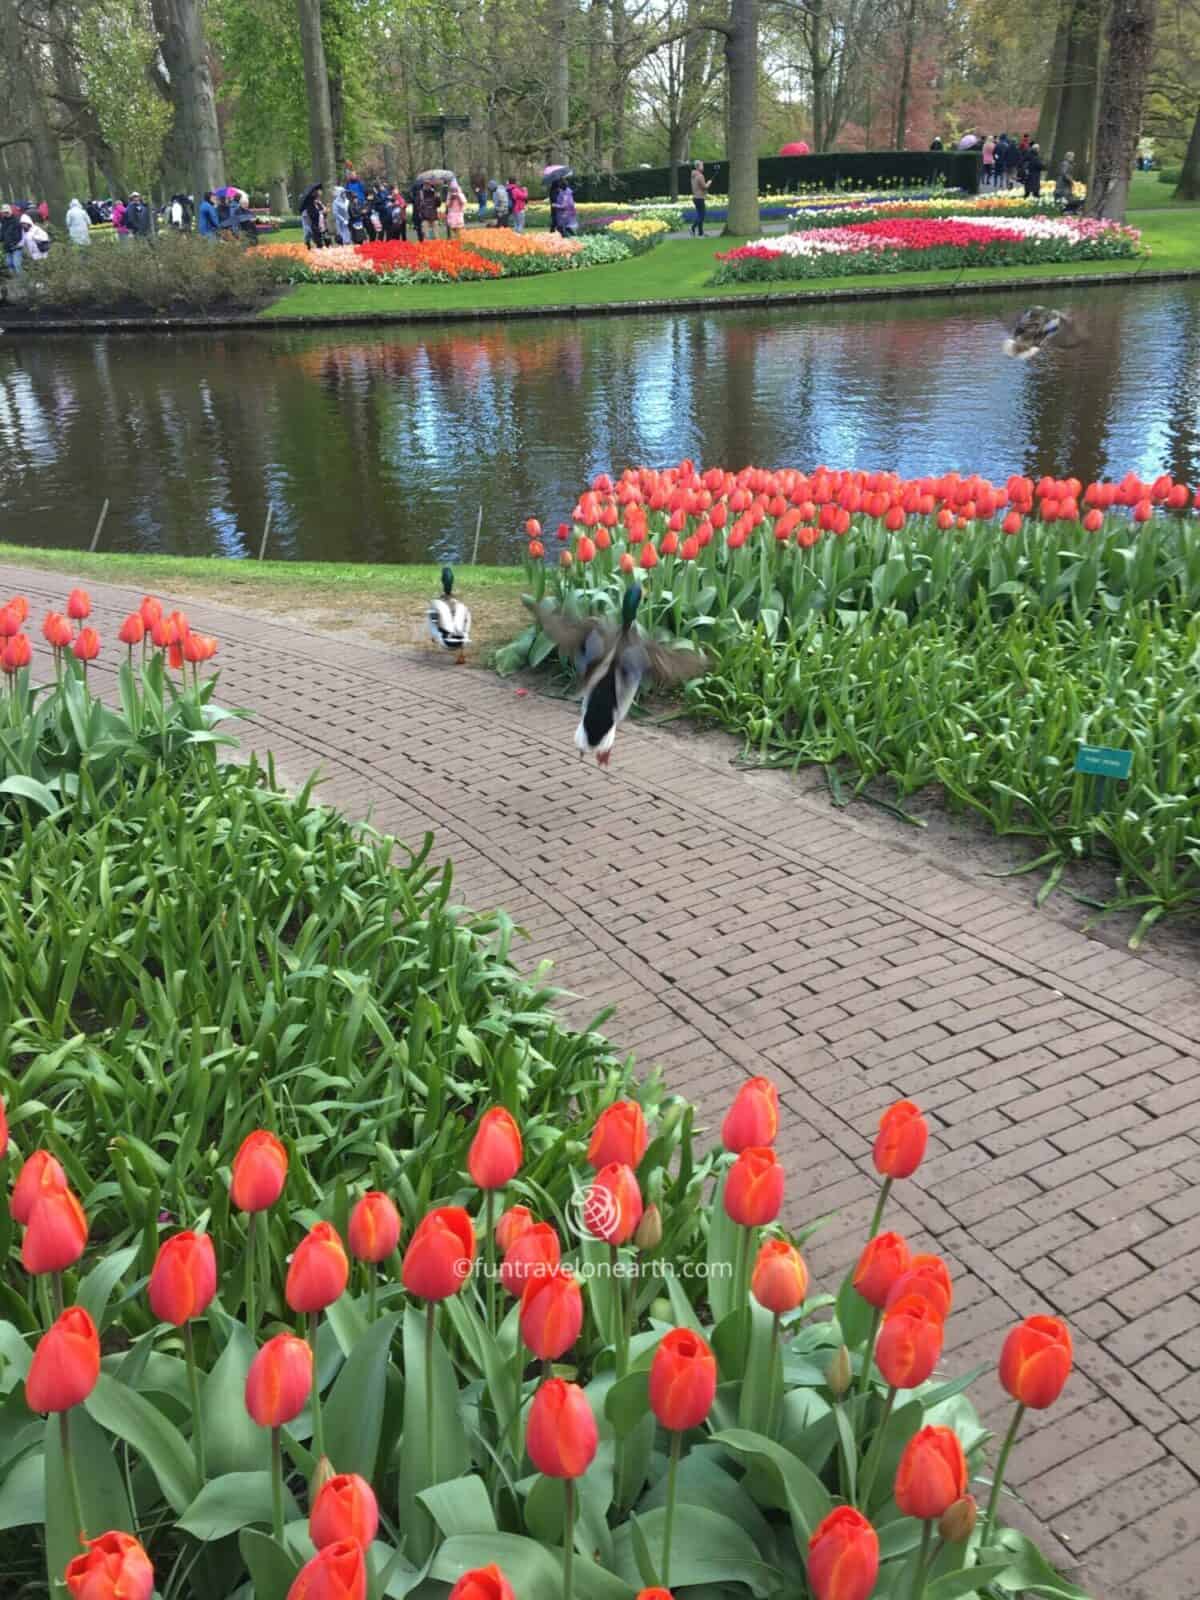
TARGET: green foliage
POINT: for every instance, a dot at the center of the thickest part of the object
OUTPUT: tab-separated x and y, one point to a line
787	174
118	49
178	272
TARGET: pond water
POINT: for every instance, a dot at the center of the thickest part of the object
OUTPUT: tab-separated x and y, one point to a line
381	444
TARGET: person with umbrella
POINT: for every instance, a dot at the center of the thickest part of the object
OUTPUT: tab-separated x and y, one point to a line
312	216
426	207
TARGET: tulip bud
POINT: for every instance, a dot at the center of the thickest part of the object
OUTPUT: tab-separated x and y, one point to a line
958	1521
649	1231
322	1473
839	1374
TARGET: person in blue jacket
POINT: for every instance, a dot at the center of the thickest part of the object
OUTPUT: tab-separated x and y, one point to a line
354	185
207	223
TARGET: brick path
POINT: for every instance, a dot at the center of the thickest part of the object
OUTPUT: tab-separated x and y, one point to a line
745	929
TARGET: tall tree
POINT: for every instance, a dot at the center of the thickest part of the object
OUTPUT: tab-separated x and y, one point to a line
185	52
741	68
27	119
1122	94
316	89
900	137
1052	98
1188	187
559	80
1081	81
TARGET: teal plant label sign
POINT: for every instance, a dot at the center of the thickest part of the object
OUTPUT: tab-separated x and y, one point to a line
1099	760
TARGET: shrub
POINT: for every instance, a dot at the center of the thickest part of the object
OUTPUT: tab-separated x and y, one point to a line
172	272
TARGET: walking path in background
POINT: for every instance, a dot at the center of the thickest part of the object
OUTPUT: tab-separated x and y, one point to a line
744	928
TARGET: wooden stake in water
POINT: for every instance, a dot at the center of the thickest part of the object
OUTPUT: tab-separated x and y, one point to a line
99	526
262	549
478	530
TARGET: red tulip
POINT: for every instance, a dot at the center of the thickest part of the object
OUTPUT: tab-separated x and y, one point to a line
626	562
57	1233
133	630
338	1572
885	1259
112	1567
754	1187
375	1228
585	550
551	1313
164	632
66	1363
57	631
655	1594
440	1254
533	528
843	1556
780	1278
649	556
683	1380
259	1172
1093	520
279	1381
536	549
928	1277
40	1175
753	1118
494	1158
612	1207
87	644
10	621
561	1435
620	1135
1035	1362
17	653
483	1583
184	1278
900	1142
909	1343
198	647
932	1474
20	605
319	1270
150	611
345	1508
531	1255
79	604
515	1221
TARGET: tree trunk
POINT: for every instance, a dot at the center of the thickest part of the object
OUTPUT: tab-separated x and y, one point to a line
1188	187
819	70
1081	78
316	89
1122	94
900	140
741	65
620	82
278	195
25	110
596	85
559	80
1052	98
180	30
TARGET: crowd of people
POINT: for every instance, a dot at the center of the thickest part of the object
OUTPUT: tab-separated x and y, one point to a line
24	225
360	212
1009	162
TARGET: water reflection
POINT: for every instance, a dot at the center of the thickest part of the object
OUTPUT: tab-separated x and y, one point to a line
381	445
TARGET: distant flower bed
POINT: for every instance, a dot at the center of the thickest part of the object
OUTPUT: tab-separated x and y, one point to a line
835	212
898	243
501	254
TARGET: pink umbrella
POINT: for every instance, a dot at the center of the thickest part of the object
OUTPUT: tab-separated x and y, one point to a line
796	148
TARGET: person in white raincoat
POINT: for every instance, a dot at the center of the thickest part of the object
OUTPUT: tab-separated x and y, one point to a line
79	228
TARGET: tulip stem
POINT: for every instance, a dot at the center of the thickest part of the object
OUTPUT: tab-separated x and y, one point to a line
871	1466
569	1538
778	1386
922	1572
864	1374
189	1349
56	1293
490	1246
430	1419
251	1241
372	1291
64	1434
621	1339
1010	1438
277	1484
314	1320
885	1190
669	1518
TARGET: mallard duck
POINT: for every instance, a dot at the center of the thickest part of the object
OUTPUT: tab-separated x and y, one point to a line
612	661
449	619
1036	327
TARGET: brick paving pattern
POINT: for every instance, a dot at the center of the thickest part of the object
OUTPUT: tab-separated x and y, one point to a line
743	928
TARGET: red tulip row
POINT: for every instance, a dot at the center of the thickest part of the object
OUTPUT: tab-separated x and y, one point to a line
171	633
910	1295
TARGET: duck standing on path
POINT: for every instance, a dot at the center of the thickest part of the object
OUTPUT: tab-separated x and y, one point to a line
612	661
449	619
1036	327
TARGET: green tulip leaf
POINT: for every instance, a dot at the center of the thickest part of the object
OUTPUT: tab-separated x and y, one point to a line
233	1441
272	1569
130	1416
1027	1569
971	1580
534	1571
704	1480
101	1490
853	1316
724	1239
435	1443
31	789
761	1379
355	1407
705	1548
460	1506
628	1402
234	1501
23	1492
96	1289
808	1501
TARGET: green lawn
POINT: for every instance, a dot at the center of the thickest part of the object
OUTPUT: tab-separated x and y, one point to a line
679	269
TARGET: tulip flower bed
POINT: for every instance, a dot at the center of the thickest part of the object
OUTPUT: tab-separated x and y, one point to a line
879	209
494	253
939	632
459	1397
898	244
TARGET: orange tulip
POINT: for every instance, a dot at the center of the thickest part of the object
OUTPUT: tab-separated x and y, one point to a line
561	1435
345	1508
885	1259
753	1118
900	1142
440	1254
1035	1362
56	630
483	1583
929	1278
150	610
66	1363
932	1474
56	1235
910	1342
612	1207
79	604
780	1278
17	653
683	1380
843	1556
112	1567
534	1253
515	1221
279	1381
40	1175
260	1171
87	644
10	621
20	605
319	1270
133	630
338	1572
655	1594
620	1136
494	1158
754	1187
551	1313
184	1278
375	1227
